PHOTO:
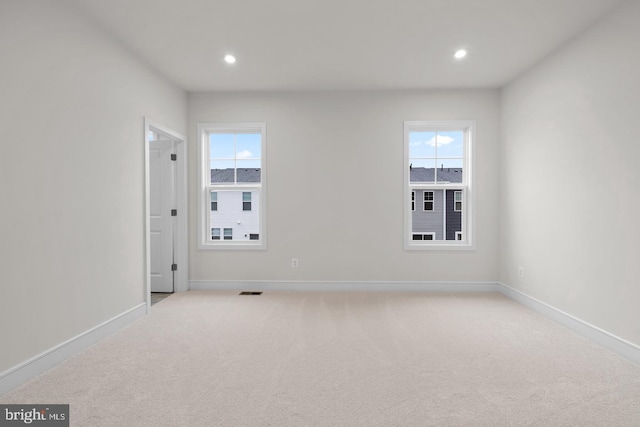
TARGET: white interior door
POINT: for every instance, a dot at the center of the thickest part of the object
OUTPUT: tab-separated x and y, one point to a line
162	201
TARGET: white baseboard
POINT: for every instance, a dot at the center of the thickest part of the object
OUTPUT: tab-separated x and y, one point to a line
18	375
347	286
609	341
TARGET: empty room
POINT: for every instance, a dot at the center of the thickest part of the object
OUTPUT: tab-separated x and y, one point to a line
320	213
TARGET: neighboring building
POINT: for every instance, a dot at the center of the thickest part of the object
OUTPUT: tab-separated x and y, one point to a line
235	214
436	213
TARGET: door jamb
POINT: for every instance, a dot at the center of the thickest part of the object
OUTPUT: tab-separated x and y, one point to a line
181	275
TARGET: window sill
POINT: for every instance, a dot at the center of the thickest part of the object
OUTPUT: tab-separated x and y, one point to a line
226	246
439	247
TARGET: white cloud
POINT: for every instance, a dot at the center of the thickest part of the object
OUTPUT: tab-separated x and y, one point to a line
442	140
244	154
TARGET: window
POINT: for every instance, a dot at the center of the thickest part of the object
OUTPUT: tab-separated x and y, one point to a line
424	236
438	166
214	201
228	234
246	201
232	160
215	234
428	201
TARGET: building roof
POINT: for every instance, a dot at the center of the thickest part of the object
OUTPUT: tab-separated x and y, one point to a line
244	175
427	174
420	174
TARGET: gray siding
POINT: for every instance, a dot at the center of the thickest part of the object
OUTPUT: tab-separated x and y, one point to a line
454	219
430	221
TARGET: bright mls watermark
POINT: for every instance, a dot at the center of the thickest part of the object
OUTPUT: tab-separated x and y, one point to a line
35	415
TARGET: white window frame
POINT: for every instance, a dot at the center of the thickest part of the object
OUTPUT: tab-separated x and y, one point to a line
206	187
466	186
458	235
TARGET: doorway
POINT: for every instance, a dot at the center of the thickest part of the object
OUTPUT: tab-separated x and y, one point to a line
166	211
162	201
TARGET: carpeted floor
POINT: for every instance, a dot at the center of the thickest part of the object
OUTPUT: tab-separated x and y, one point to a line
342	359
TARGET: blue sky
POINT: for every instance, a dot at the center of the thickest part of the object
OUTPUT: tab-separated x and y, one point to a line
242	150
436	149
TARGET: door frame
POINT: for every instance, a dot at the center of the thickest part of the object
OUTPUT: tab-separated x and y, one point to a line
181	248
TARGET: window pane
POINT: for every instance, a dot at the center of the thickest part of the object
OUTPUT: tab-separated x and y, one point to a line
451	144
222	171
221	146
237	217
249	171
422	170
432	214
422	144
450	171
248	146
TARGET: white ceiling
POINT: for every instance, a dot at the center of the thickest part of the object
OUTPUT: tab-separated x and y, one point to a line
343	44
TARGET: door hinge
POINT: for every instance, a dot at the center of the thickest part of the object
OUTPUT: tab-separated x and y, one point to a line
174	267
174	212
174	157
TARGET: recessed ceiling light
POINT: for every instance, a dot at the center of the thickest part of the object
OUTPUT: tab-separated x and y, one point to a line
460	53
230	59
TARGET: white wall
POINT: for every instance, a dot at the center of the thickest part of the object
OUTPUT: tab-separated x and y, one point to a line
335	185
570	179
71	174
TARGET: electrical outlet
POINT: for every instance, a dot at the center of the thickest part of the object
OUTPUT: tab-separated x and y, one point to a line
521	271
295	263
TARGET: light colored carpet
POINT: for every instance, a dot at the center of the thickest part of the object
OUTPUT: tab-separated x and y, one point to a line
342	359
